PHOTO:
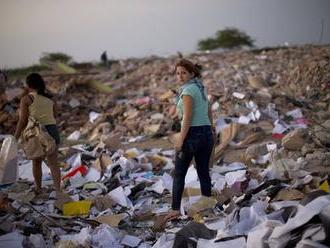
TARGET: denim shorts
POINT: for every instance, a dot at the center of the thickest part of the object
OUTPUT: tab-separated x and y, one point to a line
53	131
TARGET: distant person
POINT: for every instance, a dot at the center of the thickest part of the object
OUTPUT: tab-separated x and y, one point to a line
104	59
3	77
195	139
3	80
40	105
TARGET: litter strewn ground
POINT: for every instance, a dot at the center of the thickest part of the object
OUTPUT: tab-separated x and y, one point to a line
270	170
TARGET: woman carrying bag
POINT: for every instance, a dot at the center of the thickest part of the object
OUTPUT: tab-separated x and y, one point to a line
37	105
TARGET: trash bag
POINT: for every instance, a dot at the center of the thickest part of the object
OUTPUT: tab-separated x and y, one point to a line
8	160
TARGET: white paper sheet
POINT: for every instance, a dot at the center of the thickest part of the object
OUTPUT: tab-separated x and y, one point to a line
11	240
295	114
258	236
280	127
303	215
81	238
235	176
238	95
244	120
130	241
74	136
118	195
74	160
92	175
167	181
93	116
157	187
191	175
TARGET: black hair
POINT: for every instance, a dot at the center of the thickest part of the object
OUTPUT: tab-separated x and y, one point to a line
36	82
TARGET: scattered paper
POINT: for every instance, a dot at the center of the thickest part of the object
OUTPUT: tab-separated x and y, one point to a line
238	95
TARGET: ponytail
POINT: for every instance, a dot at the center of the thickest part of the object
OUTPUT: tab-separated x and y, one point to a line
36	82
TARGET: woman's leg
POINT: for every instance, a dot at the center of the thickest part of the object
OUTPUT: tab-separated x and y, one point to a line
202	157
182	162
52	163
37	174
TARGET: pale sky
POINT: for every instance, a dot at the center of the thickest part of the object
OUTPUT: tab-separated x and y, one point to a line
136	28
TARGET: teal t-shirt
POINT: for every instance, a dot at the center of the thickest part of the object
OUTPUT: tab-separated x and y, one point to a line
200	115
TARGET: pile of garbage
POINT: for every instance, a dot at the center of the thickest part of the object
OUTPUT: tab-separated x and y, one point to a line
270	168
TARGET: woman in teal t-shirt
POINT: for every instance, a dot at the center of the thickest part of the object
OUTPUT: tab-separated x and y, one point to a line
196	137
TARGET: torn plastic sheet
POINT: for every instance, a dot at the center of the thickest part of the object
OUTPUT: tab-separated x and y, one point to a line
279	236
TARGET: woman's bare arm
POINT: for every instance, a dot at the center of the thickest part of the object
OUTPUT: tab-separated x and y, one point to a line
23	116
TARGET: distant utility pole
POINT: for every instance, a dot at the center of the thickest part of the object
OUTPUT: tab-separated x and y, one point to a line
321	34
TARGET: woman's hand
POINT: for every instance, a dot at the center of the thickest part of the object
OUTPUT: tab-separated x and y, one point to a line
178	144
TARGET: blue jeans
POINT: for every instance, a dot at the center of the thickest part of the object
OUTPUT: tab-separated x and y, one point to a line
198	144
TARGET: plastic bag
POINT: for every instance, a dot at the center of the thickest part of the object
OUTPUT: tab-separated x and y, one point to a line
8	160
